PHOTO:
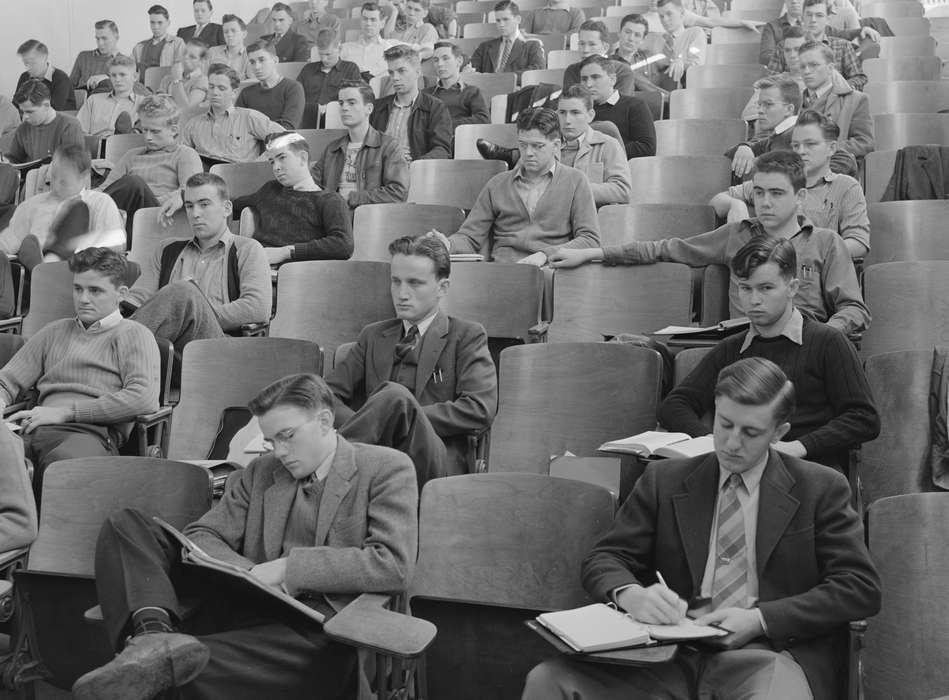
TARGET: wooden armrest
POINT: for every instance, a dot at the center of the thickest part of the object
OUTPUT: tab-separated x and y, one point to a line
149	419
11	323
6	587
366	623
7	558
251	330
538	333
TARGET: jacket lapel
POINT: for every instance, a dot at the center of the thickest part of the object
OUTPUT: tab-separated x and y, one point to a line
517	48
776	508
693	511
278	499
433	343
338	483
383	350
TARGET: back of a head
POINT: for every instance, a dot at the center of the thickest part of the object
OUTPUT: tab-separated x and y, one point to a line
103	261
35	92
308	392
77	155
32	45
756	381
787	86
827	126
540	119
761	250
783	162
426	246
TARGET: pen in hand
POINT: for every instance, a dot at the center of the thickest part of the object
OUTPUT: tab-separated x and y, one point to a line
681	607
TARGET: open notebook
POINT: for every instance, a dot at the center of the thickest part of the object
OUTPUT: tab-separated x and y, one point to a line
655	443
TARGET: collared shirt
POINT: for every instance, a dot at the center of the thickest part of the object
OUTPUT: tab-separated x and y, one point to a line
812	96
99	112
206	267
300	528
569	150
793	330
688	44
368	55
649	71
237	61
612	99
422	325
422	34
530	191
234	136
398	124
105	323
785	124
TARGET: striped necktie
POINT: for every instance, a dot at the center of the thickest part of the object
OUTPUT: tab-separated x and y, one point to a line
406	345
505	55
730	583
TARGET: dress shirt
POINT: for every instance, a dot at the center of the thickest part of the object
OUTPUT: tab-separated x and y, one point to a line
613	98
368	55
234	136
422	34
99	112
103	324
238	61
398	124
810	97
517	35
422	325
530	191
793	330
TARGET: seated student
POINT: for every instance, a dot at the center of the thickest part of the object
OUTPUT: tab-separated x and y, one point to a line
289	46
35	57
510	52
419	122
187	82
43	129
764	544
775	31
835	410
828	292
683	46
779	101
280	99
102	112
294	218
203	29
161	49
631	49
90	72
793	40
94	372
368	51
53	225
18	521
147	176
365	166
441	17
556	17
833	201
465	103
594	40
416	32
208	285
525	214
233	52
315	19
630	114
226	133
364	541
427	377
321	80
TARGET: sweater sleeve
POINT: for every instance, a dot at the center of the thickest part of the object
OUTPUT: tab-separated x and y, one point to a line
189	163
336	243
584	225
683	409
617	182
256	298
475	232
147	283
17	506
26	367
841	290
641	130
696	251
293	103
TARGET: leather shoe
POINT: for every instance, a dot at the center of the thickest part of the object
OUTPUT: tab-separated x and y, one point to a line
491	151
149	664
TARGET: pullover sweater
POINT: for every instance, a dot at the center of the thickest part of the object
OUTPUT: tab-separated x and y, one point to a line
634	121
283	103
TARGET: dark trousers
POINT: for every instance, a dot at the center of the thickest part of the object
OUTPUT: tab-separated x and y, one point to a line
393	417
51	443
179	312
255	653
131	193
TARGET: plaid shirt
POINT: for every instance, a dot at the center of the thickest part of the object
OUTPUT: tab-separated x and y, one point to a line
845	61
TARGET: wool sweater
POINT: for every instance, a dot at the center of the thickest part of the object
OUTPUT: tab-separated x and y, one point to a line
317	224
283	103
834	409
17	505
165	170
60	88
35	142
634	121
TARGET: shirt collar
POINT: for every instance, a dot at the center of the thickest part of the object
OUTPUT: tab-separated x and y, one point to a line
829	176
519	171
395	102
324	469
222	241
367	42
517	36
103	324
612	99
48	75
750	478
793	330
823	90
422	325
457	85
785	124
308	185
804	225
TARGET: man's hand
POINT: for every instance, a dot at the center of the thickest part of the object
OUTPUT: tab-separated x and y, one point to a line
538	259
743	161
277	256
41	415
743	624
870	33
571	257
170	204
273	573
177	71
94	81
752	24
656	605
676	69
794	449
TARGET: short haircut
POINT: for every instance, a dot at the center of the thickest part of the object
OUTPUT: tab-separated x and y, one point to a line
578	92
794	32
290	140
304	391
34	91
160	107
32	45
77	155
761	250
425	246
104	261
107	24
200	44
215	181
640	20
234	18
607	64
158	10
206	2
825	51
786	85
809	3
224	69
455	50
663	3
403	51
755	381
281	7
542	119
123	61
365	91
424	3
507	5
261	45
370	7
784	162
326	38
592	25
828	127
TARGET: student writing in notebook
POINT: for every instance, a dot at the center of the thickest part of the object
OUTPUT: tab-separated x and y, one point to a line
761	543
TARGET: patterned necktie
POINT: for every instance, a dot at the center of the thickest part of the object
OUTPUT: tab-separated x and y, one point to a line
505	54
669	46
406	345
730	583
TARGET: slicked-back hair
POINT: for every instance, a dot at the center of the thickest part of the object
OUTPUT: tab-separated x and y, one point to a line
33	91
794	32
809	3
77	155
761	250
159	10
756	381
365	91
607	64
400	51
206	2
825	50
107	24
592	25
282	7
297	145
509	5
578	92
160	106
663	3
828	127
641	21
784	162
304	391
104	261
326	38
370	7
425	246
542	119
32	45
224	69
455	50
786	85
261	45
121	59
234	18
215	181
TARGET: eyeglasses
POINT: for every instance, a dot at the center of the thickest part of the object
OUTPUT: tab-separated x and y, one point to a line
284	437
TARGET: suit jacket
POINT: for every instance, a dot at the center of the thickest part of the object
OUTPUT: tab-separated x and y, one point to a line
429	126
814	571
525	55
456	383
212	34
353	553
849	109
608	155
292	47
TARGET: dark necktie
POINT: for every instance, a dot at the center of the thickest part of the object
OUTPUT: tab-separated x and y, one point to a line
406	345
505	55
730	584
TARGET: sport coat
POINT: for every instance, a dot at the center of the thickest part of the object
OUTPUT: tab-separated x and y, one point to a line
292	47
366	531
212	34
814	571
603	159
525	55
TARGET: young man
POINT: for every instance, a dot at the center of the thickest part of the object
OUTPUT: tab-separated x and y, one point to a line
465	103
779	101
417	33
441	17
315	20
594	40
683	46
280	99
233	52
775	31
100	112
764	544
428	378
835	410
365	166
368	51
630	114
815	25
294	218
208	285
321	80
510	52
364	540
833	201
91	70
290	47
162	49
527	213
417	121
43	130
94	372
35	57
632	35
226	133
203	29
828	292
556	17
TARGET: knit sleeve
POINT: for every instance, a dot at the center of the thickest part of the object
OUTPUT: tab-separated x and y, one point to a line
683	409
255	300
17	507
640	130
293	103
696	251
26	367
336	241
475	232
584	225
